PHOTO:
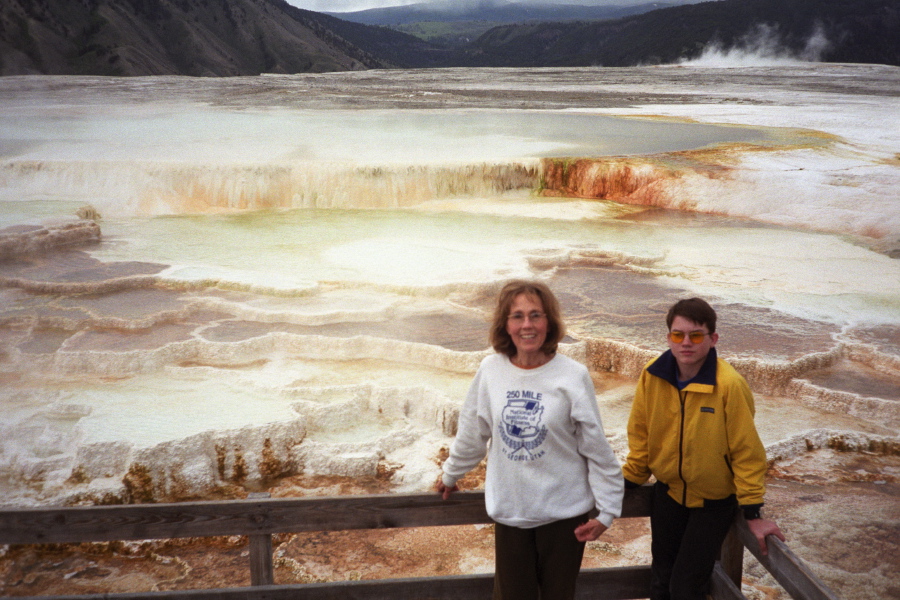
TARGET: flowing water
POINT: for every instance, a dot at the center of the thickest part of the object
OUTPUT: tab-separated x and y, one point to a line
294	274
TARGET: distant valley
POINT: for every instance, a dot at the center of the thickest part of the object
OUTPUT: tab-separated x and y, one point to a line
456	24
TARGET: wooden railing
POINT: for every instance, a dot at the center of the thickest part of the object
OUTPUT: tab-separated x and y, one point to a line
260	517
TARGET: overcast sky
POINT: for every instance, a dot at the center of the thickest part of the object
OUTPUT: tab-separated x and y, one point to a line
353	5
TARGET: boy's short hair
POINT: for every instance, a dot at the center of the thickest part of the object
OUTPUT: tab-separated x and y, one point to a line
556	330
693	309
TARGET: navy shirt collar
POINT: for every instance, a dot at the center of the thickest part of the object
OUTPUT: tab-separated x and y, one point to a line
665	367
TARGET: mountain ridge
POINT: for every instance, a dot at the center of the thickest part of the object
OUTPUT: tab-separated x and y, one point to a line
170	37
250	37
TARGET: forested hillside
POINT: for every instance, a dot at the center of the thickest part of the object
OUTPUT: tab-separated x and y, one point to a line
827	30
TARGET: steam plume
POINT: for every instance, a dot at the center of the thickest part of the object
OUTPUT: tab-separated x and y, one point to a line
761	46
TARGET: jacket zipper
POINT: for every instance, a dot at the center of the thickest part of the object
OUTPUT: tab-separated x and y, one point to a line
683	396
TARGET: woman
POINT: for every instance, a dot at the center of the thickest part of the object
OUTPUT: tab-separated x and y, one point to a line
550	466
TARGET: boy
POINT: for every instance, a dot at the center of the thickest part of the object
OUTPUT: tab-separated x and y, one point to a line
691	426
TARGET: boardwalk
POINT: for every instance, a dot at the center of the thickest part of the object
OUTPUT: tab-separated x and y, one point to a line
260	518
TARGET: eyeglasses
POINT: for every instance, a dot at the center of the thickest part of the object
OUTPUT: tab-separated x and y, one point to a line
695	336
533	316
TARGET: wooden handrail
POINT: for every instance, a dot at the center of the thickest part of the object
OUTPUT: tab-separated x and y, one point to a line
237	517
259	518
785	566
253	516
722	587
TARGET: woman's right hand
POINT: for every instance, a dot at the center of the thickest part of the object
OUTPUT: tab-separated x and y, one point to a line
445	491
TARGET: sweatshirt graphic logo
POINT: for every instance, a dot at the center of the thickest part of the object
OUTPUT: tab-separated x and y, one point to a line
521	428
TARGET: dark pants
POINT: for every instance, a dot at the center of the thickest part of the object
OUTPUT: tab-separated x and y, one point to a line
685	544
540	563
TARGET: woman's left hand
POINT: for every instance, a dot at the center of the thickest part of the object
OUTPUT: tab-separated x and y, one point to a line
589	531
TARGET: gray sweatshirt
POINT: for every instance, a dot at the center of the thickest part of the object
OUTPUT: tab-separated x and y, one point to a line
549	458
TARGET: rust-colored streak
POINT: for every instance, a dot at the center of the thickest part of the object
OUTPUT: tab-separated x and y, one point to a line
624	179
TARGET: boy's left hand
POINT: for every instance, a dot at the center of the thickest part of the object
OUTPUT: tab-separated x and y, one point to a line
761	528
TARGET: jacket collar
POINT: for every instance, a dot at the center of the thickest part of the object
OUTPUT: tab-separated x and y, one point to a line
665	367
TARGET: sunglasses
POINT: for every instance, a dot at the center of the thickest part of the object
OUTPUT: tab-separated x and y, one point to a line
695	336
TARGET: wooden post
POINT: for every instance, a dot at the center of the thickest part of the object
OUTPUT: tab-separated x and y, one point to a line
262	571
731	555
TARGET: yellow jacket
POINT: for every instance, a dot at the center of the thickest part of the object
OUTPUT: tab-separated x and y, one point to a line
700	441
